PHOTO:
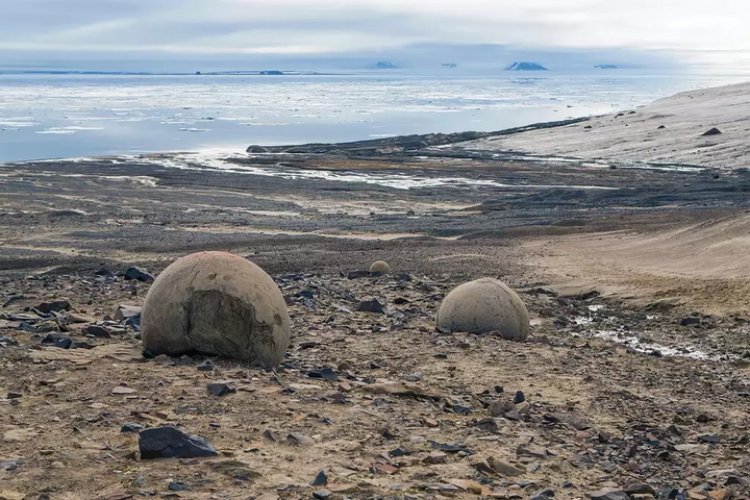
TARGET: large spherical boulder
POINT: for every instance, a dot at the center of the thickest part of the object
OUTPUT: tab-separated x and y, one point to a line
483	306
216	303
380	267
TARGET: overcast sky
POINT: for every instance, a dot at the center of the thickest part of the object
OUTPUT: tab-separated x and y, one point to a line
711	28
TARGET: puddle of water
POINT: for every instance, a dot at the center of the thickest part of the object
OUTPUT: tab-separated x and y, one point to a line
321	234
638	345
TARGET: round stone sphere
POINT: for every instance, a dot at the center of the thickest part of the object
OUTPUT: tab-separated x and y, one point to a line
380	266
483	306
216	303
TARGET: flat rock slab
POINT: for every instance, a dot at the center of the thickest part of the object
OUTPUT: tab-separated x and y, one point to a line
117	352
171	442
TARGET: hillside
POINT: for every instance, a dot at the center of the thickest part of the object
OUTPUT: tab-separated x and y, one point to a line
668	130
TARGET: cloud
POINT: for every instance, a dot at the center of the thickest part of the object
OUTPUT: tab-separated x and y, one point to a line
331	26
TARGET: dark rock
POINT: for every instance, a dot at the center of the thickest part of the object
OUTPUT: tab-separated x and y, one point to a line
206	366
321	479
297	439
661	126
220	389
609	494
7	341
64	342
133	273
451	448
638	488
131	427
325	373
672	494
322	494
256	149
305	294
739	480
400	452
709	438
14	395
690	321
272	435
97	331
171	442
461	409
543	495
131	315
13	299
56	306
103	271
712	131
358	274
519	397
371	306
176	486
488	424
10	465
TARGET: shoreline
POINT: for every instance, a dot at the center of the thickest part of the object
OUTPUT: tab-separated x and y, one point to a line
636	375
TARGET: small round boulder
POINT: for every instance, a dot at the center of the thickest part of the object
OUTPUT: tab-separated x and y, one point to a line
483	306
216	303
380	267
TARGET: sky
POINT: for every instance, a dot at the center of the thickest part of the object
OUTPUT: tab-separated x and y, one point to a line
696	31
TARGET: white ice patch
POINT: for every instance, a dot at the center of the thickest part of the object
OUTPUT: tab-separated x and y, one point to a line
72	129
17	124
194	129
210	160
638	345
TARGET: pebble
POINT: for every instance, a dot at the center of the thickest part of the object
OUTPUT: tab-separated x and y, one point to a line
131	427
97	331
435	457
297	439
134	273
206	366
220	389
176	486
371	306
321	479
54	306
609	494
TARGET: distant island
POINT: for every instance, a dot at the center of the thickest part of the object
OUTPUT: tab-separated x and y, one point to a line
385	65
449	65
525	66
606	66
272	72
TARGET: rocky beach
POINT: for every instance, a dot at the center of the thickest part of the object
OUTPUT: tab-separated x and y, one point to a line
633	383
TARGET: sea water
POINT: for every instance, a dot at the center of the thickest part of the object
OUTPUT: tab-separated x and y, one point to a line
45	116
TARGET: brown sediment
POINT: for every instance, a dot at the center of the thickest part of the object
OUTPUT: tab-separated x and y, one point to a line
631	262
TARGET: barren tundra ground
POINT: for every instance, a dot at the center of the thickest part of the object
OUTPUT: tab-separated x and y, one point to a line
634	383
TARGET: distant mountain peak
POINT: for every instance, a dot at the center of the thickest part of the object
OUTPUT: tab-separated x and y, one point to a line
525	66
606	66
385	65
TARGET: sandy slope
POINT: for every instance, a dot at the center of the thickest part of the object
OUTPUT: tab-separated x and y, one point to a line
703	266
637	136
